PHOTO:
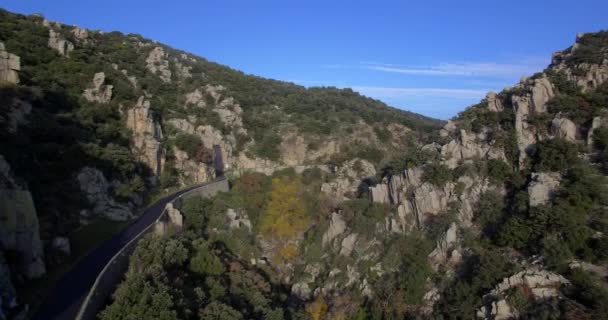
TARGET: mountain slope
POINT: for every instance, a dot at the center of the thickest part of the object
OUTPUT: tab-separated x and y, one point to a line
94	124
502	215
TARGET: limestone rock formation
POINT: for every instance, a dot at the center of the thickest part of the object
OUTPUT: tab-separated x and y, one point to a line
494	103
19	231
58	43
171	220
98	192
563	128
10	65
79	33
468	147
542	187
191	170
99	93
348	178
337	226
446	252
535	102
542	284
147	135
157	63
237	219
596	123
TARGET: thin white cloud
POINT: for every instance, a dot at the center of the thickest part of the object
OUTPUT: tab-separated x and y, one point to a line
489	69
399	92
465	69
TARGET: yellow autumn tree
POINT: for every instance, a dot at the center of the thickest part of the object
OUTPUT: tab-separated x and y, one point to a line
285	216
318	309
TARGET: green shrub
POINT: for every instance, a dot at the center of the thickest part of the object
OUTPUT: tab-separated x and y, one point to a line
555	155
437	174
189	143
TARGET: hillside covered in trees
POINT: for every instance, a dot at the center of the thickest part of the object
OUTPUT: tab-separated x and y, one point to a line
340	207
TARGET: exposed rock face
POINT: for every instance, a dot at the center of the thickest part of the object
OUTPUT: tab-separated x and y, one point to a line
449	127
97	190
563	128
541	90
348	244
10	65
183	71
468	147
19	230
542	285
445	251
61	45
99	93
348	178
80	34
542	187
147	135
192	171
236	220
337	226
596	123
494	103
417	201
157	63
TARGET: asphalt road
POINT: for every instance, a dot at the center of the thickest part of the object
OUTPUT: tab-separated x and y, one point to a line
65	299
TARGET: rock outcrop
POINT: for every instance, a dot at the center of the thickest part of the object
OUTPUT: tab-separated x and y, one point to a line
10	65
171	220
446	250
494	104
348	179
542	187
157	63
469	147
542	284
337	226
59	44
563	128
147	135
19	230
99	93
237	219
534	102
98	192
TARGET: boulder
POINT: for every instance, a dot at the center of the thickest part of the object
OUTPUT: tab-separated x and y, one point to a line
563	128
97	191
10	65
542	187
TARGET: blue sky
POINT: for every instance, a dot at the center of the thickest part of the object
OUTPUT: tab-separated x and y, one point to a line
430	57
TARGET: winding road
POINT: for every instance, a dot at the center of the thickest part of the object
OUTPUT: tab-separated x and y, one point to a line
70	291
